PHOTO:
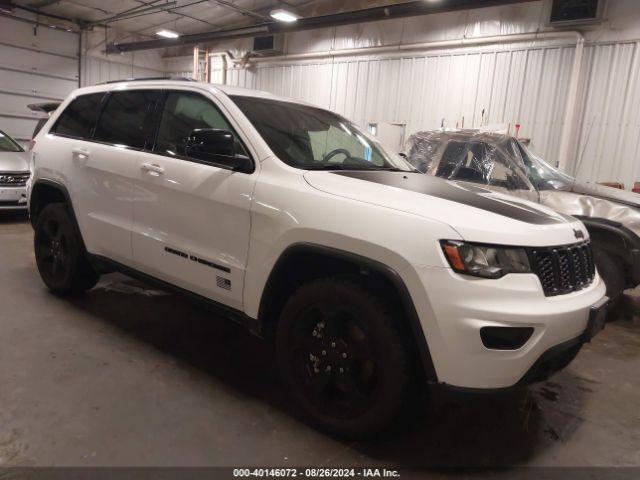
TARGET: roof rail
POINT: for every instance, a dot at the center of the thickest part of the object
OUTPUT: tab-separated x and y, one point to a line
143	79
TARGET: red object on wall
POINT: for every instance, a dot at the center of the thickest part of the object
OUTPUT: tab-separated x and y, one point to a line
636	187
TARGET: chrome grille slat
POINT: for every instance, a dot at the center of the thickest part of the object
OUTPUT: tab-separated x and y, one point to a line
563	270
13	179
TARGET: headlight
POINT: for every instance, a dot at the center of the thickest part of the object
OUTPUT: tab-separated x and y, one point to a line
485	261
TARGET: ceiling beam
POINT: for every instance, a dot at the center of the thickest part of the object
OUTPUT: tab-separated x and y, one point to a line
402	10
170	10
243	11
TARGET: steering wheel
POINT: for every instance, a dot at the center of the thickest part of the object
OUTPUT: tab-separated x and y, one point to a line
335	152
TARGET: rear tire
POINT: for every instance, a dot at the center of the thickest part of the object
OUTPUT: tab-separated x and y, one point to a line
342	357
60	257
611	270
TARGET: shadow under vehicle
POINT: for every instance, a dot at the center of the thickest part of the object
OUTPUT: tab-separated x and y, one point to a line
503	163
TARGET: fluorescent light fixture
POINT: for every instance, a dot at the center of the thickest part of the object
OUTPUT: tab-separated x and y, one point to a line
284	15
167	34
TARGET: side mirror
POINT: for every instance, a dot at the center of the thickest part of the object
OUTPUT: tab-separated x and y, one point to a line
217	147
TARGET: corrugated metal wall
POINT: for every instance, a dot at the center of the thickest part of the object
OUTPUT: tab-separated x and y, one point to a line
525	86
609	127
97	67
98	70
37	66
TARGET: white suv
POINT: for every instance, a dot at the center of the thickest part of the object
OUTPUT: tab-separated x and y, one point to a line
299	225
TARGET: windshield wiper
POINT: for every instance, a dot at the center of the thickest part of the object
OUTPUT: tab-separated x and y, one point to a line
396	169
340	166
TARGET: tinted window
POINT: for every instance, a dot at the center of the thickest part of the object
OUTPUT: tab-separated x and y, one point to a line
183	113
127	118
80	116
8	144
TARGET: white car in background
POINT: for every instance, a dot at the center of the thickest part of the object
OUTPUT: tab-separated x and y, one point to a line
289	219
14	174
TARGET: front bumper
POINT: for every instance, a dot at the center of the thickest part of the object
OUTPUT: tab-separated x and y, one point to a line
13	198
456	307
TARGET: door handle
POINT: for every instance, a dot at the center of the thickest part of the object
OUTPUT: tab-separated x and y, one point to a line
81	153
152	167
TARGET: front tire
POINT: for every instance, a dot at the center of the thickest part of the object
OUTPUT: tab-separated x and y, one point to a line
342	357
59	254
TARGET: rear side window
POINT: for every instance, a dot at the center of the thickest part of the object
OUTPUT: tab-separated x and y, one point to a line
79	118
127	118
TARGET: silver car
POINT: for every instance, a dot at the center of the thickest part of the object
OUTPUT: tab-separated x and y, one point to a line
14	174
503	163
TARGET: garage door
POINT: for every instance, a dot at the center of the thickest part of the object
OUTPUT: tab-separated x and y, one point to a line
38	65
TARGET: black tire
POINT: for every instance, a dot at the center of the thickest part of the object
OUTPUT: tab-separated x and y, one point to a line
611	270
358	334
59	254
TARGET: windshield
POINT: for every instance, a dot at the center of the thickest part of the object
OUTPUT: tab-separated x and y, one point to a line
542	175
8	144
314	139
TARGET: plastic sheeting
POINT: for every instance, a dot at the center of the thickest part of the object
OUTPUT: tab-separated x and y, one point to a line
470	156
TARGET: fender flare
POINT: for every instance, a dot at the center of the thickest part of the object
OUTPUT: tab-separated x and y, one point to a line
630	240
408	306
65	193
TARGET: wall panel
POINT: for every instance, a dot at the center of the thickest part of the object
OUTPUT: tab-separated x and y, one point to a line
526	86
609	126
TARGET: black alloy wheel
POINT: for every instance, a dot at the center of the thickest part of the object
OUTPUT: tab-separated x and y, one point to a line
335	362
60	258
342	357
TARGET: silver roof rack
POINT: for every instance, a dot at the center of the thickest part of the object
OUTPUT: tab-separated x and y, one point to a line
143	79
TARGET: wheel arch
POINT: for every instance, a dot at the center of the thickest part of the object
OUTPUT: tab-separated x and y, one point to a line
617	240
306	261
43	192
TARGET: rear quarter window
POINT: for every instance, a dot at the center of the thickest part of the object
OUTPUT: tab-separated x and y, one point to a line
79	118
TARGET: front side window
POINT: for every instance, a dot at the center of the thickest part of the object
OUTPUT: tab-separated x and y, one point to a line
311	138
79	118
481	162
185	113
127	118
8	144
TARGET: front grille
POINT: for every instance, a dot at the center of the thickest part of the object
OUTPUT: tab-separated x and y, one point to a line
14	179
563	270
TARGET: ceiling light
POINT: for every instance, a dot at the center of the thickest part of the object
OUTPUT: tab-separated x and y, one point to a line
284	15
167	34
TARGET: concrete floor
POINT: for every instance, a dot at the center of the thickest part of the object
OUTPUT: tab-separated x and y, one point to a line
131	376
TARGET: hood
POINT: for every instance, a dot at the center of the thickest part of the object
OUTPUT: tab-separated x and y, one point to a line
477	214
14	162
595	206
607	193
